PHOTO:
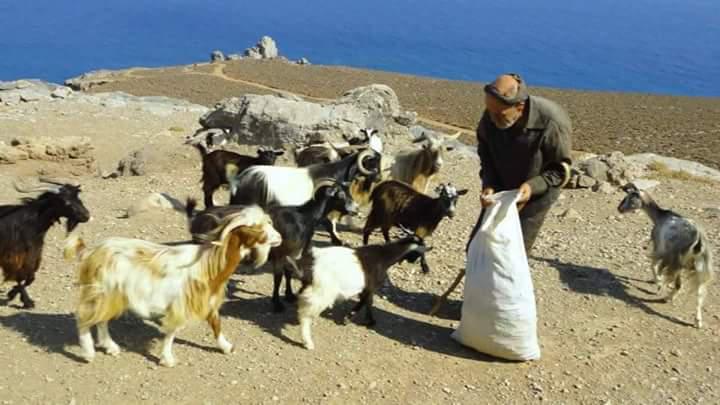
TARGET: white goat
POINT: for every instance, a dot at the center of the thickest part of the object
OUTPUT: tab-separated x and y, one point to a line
178	283
338	273
680	248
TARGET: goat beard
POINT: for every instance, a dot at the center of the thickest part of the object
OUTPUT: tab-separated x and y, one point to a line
71	225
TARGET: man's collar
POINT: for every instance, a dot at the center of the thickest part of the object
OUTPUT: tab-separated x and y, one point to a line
534	121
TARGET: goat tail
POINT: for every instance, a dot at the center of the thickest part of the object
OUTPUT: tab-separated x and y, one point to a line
74	245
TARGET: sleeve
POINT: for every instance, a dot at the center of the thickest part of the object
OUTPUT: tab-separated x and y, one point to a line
488	171
556	146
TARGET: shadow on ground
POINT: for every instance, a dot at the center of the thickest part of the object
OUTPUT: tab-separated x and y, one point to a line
57	333
408	331
601	282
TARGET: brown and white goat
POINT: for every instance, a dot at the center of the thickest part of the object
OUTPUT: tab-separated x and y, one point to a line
220	164
419	166
177	283
23	228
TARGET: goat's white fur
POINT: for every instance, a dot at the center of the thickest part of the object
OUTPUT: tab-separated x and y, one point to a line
337	275
150	279
285	185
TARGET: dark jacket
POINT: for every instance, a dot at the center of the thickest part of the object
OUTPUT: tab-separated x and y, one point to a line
531	151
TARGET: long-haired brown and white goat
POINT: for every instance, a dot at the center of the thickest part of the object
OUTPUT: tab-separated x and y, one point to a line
679	247
177	283
418	167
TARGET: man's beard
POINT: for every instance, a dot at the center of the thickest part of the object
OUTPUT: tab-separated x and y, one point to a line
504	124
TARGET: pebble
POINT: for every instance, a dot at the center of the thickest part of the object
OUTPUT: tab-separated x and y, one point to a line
447	390
373	385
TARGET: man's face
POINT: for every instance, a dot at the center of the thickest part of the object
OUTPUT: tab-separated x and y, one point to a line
502	115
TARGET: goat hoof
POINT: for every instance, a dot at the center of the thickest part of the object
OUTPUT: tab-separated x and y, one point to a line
29	304
290	297
167	362
371	323
112	349
309	345
88	357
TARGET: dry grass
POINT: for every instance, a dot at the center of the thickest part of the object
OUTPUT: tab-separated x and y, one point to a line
661	171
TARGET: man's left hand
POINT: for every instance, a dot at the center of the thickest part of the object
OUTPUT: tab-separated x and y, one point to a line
525	194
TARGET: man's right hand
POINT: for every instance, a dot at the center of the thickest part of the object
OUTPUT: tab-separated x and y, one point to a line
484	200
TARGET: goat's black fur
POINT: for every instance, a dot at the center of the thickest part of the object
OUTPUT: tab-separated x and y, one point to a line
22	233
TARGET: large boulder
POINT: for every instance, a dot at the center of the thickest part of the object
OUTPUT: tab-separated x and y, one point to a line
266	48
612	168
276	120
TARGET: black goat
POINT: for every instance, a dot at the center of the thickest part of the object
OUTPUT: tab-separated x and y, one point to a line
296	225
397	204
23	228
220	164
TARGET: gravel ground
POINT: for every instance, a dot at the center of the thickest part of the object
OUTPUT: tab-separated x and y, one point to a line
605	337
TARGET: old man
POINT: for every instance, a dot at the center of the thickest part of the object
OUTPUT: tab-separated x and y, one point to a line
524	143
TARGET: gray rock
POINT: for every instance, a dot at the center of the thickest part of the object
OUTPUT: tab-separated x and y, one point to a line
604	187
253	53
303	61
268	47
674	164
10	97
595	168
274	120
155	201
375	97
217	56
570	214
234	56
90	79
646	184
61	92
584	181
132	165
10	155
406	118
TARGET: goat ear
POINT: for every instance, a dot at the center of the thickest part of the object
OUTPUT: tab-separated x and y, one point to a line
462	192
630	188
279	152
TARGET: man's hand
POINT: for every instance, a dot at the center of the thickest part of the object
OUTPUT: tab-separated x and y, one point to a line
525	194
484	200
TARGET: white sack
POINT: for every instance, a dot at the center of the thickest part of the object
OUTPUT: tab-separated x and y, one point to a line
498	312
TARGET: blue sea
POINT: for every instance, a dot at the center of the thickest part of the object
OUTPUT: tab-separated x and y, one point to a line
649	46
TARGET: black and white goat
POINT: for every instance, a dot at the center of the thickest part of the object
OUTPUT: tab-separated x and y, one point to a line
296	225
418	167
679	247
337	273
321	151
219	165
23	228
276	185
397	204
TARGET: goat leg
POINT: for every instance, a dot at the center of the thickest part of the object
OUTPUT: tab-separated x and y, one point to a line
277	280
678	286
289	295
14	292
28	303
214	322
331	227
362	301
439	300
368	311
423	264
105	340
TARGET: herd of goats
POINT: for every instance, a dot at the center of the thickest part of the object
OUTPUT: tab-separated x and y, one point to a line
271	219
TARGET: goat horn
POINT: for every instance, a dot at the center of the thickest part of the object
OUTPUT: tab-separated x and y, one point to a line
36	189
58	182
405	230
361	156
326	181
454	136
